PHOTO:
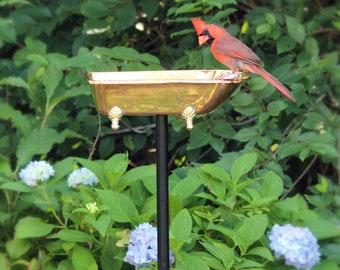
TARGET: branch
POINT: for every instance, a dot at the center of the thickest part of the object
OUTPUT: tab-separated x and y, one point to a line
300	177
93	148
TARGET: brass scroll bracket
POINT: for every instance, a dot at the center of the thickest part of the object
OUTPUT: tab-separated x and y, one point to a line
188	115
115	114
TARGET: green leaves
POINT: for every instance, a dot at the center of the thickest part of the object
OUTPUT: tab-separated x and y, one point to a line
285	44
150	7
312	47
308	143
94	10
101	224
16	248
187	261
7	31
142	173
125	15
37	142
98	14
241	237
272	186
72	236
231	168
83	259
215	179
222	252
180	230
14	81
115	167
32	227
121	207
20	121
51	78
185	189
225	187
246	104
242	165
295	29
251	230
199	136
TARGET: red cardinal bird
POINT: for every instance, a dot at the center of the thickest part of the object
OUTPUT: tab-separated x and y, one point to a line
234	54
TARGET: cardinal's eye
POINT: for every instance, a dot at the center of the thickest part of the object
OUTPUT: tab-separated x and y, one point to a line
205	32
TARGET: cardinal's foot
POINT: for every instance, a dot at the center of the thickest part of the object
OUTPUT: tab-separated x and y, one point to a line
233	77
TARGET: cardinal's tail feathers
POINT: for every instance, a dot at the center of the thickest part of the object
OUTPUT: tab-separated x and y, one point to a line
273	81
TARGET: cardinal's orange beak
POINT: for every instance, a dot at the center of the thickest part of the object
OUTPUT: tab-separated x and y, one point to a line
202	39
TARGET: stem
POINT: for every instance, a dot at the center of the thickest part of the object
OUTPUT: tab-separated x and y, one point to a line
300	177
46	114
94	145
43	192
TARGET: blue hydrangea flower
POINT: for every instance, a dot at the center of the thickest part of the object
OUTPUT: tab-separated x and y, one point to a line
36	171
142	248
82	176
297	245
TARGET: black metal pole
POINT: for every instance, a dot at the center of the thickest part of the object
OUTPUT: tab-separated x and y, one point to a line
162	191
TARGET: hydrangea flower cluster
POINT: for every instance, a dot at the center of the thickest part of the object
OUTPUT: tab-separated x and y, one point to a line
82	176
142	248
297	245
92	207
36	171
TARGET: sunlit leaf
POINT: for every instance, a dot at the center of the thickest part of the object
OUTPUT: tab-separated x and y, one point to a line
83	259
120	207
31	227
242	165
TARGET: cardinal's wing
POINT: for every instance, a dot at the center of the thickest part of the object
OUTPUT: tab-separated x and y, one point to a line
231	47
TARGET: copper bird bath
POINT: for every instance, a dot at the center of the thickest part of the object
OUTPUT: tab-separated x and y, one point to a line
162	93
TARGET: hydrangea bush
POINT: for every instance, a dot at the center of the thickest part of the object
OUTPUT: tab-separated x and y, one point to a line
35	172
221	217
297	245
142	248
82	176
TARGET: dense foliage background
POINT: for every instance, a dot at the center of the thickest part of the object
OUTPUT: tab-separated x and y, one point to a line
47	112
